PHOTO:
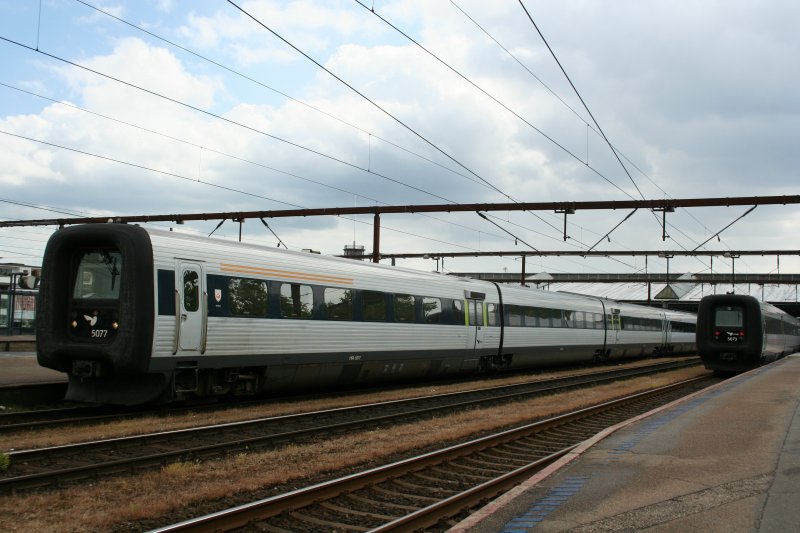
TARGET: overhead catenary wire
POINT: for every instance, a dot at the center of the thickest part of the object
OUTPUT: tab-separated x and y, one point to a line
19	253
365	97
489	95
372	102
578	115
274	90
253	80
629	215
523	65
195	108
502	228
493	98
589	111
40	207
552	53
728	226
224	119
273	232
225	154
571	224
187	105
202	182
547	87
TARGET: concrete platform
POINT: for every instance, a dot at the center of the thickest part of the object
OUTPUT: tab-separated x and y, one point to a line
17	343
724	459
21	368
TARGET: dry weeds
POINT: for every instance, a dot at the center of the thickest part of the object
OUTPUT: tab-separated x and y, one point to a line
149	424
99	506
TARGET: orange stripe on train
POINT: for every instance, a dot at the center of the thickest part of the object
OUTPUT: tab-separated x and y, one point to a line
225	267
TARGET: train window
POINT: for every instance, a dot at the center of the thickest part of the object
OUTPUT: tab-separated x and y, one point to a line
191	290
98	275
529	317
492	314
555	318
475	309
247	297
432	310
599	321
297	301
373	306
339	304
569	319
580	321
727	317
683	327
514	315
541	317
404	308
458	312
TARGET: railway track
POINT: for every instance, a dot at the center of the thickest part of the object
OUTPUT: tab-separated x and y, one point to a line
95	414
52	418
32	392
63	464
431	491
43	419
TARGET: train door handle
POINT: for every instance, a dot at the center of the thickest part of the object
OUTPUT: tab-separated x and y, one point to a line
183	317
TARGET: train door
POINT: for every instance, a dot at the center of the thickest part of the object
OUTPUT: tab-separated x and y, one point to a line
475	323
614	326
191	296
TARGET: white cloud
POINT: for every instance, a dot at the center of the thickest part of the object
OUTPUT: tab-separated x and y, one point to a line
672	96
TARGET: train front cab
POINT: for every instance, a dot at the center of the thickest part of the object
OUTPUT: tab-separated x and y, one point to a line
95	312
730	332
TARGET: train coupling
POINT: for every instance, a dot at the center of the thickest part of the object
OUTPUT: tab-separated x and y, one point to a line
87	369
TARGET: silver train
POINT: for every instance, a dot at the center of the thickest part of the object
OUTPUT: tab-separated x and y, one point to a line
737	332
137	315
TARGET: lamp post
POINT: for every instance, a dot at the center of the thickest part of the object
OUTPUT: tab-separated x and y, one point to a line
667	257
12	290
435	258
732	257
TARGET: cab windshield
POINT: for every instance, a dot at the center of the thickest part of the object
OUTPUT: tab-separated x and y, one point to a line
98	275
729	317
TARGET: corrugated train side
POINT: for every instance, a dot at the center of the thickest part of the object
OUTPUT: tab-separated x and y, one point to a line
135	316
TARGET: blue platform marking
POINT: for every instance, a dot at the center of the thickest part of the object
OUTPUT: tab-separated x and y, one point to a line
537	512
572	484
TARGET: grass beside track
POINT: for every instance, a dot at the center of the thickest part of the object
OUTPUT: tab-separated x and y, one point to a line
40	438
183	490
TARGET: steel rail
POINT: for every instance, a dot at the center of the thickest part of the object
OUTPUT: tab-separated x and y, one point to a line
358	417
242	515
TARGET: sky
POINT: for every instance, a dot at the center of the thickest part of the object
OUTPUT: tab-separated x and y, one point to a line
169	106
